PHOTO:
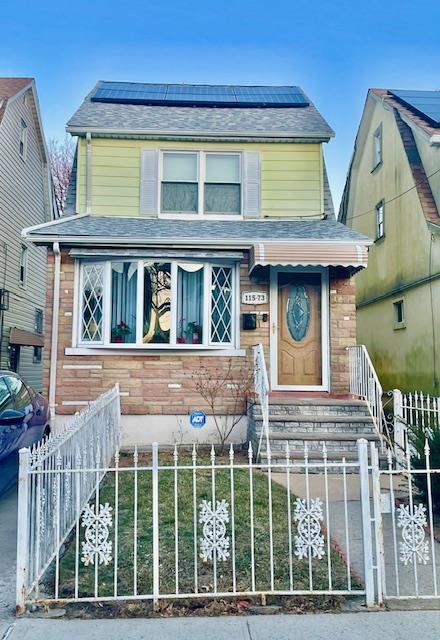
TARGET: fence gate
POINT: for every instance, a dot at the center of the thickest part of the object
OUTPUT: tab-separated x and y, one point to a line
405	511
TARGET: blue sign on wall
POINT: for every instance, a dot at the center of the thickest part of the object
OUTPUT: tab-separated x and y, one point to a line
197	419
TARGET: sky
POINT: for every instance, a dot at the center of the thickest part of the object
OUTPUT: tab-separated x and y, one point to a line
334	50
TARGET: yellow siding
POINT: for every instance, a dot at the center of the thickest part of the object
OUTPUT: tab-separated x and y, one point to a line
291	175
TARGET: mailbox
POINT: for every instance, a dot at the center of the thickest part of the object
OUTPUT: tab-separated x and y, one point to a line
249	321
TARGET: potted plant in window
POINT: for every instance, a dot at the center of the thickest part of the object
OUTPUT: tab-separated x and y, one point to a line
120	331
193	333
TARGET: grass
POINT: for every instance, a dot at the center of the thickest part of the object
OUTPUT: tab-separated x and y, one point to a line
188	564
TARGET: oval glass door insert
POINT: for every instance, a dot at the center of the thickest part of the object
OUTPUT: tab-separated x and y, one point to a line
298	312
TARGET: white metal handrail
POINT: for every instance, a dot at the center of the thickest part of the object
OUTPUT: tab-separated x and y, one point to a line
365	384
261	384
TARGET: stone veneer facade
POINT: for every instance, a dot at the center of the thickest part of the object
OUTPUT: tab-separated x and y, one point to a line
144	379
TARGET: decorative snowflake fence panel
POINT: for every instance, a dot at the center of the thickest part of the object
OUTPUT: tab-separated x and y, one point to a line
56	480
195	524
406	502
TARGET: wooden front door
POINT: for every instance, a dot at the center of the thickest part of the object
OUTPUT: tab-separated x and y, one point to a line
299	329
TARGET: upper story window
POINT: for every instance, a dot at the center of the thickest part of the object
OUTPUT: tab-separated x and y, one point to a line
377	147
23	139
380	220
159	304
23	264
38	321
201	182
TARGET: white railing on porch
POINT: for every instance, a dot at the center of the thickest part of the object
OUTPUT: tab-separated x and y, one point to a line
51	492
365	384
261	384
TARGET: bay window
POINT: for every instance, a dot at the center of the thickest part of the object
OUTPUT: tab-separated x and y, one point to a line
146	304
201	182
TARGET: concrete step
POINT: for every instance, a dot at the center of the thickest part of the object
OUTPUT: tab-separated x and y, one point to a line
321	419
320	436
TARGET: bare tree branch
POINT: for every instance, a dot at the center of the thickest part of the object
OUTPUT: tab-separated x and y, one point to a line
226	392
61	159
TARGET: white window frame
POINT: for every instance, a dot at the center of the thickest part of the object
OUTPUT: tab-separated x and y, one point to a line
396	323
24	253
206	344
377	147
380	220
23	139
201	176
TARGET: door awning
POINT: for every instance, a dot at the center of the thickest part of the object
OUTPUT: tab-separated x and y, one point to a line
305	254
25	338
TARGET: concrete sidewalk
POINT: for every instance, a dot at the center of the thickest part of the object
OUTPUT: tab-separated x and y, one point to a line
395	625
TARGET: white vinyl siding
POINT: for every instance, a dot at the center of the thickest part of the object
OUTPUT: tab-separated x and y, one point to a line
22	204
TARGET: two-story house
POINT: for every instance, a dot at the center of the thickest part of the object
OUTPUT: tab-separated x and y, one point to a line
25	199
185	199
392	194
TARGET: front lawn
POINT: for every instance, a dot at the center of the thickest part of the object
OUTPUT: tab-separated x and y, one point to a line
188	563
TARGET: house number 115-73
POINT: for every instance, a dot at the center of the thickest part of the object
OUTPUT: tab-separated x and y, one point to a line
254	297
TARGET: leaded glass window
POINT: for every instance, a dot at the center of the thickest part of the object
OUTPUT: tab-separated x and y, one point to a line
221	304
92	302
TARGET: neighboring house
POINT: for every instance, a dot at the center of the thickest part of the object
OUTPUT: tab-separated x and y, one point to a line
393	195
185	198
25	199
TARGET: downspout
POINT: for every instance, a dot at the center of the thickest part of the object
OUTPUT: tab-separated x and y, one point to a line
88	172
54	336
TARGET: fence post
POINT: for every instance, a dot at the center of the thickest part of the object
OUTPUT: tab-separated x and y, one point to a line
378	524
23	516
399	429
155	486
366	521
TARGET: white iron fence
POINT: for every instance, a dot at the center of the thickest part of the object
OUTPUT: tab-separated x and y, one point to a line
261	385
56	479
407	517
193	524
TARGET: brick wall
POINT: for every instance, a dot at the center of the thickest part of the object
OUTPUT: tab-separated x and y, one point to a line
144	379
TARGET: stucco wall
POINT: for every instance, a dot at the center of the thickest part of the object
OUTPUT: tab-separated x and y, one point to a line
408	254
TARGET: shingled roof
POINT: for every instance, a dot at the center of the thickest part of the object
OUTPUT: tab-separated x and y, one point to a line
107	118
94	228
9	87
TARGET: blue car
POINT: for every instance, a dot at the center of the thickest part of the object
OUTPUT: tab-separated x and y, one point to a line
24	416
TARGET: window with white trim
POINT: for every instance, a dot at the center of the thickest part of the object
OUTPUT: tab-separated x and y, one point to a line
23	139
146	304
22	274
377	147
201	182
380	220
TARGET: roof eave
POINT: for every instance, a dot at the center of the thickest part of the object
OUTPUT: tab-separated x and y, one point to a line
164	134
177	242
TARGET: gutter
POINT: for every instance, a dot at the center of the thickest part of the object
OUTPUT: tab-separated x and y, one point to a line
54	336
188	242
197	134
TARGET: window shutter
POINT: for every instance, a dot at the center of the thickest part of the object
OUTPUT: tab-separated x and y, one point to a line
149	178
251	187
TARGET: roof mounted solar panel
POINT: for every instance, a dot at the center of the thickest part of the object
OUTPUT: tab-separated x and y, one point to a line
198	95
425	103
